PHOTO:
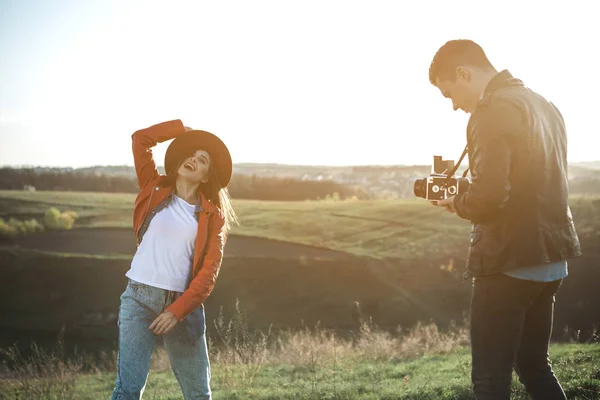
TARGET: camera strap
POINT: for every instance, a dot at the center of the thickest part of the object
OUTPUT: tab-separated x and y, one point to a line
464	153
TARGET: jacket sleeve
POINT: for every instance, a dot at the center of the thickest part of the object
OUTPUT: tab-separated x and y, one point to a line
143	142
496	126
203	283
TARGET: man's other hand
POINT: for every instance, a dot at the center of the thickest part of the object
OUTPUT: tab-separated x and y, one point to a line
448	204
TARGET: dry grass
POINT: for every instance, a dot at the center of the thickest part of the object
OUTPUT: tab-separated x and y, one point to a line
422	339
312	363
42	375
241	354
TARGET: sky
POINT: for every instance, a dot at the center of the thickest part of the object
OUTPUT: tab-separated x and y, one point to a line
295	82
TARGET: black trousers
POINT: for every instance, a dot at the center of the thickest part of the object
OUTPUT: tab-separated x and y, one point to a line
511	324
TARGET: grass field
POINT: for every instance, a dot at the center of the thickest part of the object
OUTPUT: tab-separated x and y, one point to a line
373	228
430	377
422	364
379	228
423	247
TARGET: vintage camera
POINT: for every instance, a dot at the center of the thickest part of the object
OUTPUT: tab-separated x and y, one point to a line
440	185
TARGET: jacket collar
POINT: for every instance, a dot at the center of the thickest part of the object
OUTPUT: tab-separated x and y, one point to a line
201	205
501	79
205	205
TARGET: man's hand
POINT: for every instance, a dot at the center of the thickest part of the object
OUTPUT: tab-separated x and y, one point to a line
164	323
448	204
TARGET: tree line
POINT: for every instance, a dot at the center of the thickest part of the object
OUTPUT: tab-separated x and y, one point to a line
241	186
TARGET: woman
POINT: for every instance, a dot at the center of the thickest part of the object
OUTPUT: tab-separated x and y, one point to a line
181	221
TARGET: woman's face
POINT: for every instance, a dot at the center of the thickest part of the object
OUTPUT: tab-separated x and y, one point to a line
195	168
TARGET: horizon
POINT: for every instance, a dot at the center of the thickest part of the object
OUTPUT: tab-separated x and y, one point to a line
79	78
273	164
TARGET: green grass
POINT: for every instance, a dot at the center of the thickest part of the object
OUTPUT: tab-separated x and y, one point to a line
374	228
94	209
342	379
420	363
434	376
409	228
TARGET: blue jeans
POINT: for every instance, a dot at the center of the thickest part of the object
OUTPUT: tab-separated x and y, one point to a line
185	344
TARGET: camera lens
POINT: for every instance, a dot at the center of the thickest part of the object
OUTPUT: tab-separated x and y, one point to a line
420	187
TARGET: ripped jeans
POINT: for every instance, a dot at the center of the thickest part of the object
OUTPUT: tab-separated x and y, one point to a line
185	344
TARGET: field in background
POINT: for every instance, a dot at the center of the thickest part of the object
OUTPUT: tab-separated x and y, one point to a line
404	246
404	229
399	260
379	228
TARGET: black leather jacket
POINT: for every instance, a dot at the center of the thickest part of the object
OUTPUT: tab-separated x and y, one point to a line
518	198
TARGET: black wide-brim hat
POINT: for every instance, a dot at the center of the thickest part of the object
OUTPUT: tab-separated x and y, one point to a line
186	144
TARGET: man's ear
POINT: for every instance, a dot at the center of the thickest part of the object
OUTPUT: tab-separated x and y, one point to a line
463	73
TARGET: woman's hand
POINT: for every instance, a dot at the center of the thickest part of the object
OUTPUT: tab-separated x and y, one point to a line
164	323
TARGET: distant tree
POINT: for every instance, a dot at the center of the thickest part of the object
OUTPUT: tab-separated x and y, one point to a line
289	189
241	186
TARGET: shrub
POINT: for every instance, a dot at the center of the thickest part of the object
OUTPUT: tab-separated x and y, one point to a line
33	225
13	227
335	196
65	221
51	218
5	229
55	220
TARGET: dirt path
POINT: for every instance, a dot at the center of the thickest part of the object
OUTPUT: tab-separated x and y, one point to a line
122	241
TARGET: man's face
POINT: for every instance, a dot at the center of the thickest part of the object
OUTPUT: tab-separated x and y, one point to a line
462	91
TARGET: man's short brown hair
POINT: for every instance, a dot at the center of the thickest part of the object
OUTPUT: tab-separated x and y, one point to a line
453	54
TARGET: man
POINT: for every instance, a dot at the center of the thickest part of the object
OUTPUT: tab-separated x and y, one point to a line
523	231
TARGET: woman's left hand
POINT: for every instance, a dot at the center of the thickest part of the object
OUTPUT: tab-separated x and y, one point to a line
164	323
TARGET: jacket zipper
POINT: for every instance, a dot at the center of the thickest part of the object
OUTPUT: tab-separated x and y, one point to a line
147	208
151	215
208	223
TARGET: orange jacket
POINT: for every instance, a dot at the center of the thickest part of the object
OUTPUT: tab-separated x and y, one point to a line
154	192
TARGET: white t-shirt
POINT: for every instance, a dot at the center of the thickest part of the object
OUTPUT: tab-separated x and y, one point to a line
164	257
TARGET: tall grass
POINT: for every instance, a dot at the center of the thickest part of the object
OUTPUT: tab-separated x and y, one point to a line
422	362
238	353
42	375
241	354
